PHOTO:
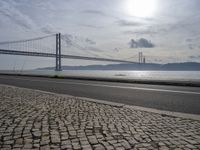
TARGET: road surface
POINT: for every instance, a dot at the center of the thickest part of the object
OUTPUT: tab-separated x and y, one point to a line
171	98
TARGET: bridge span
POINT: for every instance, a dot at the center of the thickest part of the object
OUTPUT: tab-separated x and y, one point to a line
33	47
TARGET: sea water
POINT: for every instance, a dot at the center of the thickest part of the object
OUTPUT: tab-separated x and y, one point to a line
139	75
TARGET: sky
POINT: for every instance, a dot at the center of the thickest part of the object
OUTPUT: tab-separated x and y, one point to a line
166	31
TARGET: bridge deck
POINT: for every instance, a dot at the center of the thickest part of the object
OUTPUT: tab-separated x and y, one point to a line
39	54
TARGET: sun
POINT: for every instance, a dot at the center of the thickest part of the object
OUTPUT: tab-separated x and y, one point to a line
141	8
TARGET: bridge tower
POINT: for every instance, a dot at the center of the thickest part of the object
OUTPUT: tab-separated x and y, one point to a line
58	52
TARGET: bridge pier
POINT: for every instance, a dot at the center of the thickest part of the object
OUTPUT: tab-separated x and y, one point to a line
58	52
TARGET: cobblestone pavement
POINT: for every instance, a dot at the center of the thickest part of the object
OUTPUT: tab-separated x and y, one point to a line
31	119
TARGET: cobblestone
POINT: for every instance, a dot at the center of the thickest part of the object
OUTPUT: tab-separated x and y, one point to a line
31	119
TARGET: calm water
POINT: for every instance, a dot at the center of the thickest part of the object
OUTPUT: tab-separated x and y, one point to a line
139	75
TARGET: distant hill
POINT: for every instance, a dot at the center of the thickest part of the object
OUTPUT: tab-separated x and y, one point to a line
186	66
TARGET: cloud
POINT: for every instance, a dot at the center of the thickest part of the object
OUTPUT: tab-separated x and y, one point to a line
142	32
188	40
96	12
191	46
68	39
48	29
194	57
141	43
93	49
77	41
90	41
8	10
116	49
128	23
99	13
91	26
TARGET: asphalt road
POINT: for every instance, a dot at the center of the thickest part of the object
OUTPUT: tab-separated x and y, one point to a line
172	98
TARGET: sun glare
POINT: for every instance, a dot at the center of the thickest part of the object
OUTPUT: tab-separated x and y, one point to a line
141	8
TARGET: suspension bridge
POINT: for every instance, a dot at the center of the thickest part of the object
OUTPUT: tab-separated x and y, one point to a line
47	46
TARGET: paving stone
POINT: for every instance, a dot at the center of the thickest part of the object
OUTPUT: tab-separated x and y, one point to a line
190	146
92	139
31	119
